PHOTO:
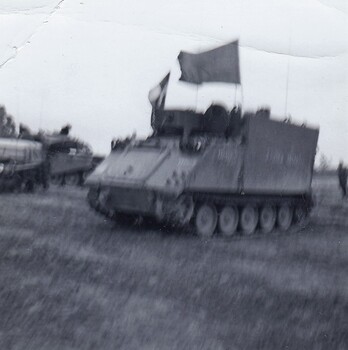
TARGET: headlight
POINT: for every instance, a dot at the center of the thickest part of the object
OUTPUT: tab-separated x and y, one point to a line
2	167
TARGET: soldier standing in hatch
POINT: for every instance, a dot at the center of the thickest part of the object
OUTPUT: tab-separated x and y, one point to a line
342	178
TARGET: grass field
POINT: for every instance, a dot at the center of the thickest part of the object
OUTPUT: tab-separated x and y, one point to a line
71	280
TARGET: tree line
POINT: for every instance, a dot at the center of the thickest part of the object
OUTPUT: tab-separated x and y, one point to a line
7	124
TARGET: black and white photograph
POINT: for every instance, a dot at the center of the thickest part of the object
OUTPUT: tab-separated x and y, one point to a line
173	174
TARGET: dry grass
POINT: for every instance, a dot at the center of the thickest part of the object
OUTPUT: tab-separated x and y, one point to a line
331	208
71	280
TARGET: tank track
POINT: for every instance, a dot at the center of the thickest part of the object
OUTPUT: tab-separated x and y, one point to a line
219	201
285	214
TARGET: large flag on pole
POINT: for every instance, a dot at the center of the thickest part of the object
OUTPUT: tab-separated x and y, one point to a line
217	65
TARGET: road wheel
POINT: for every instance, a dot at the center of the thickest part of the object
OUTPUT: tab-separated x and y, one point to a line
123	219
228	220
248	219
206	220
93	197
300	214
183	211
29	186
72	179
56	179
268	216
284	217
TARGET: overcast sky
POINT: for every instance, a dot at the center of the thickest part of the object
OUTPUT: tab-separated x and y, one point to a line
91	63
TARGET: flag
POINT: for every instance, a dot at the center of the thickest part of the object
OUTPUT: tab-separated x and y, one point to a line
157	95
217	65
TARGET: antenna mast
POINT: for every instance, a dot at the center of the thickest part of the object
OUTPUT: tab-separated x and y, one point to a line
288	72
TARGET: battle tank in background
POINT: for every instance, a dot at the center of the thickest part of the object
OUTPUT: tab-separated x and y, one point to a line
68	159
22	165
222	171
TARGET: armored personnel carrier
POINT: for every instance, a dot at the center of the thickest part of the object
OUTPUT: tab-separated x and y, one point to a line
21	164
223	172
69	159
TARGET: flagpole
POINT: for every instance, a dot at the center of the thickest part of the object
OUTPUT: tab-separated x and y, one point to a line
287	86
196	97
241	87
235	96
242	96
199	49
288	70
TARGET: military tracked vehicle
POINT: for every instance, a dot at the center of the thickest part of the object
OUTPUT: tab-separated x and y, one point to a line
69	159
223	172
22	164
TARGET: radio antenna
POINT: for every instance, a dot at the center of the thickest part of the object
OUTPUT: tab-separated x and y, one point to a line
288	72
